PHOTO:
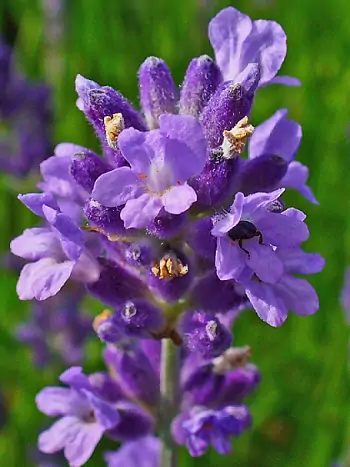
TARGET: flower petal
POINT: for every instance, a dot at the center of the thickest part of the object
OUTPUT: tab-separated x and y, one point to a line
61	432
116	187
35	244
55	401
43	279
87	269
82	445
297	261
267	304
229	260
295	178
139	212
264	261
259	200
224	224
266	45
106	414
280	230
134	147
277	135
179	198
285	80
36	201
187	130
299	295
227	32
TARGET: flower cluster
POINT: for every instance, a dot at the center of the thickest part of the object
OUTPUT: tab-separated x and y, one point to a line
176	231
25	118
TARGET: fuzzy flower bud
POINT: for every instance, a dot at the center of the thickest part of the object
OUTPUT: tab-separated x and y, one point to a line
202	332
158	93
201	80
134	373
260	174
231	102
106	219
85	168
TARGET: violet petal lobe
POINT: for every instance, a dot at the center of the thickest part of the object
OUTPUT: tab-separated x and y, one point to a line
267	304
296	178
277	135
116	187
138	213
179	198
36	243
54	401
43	279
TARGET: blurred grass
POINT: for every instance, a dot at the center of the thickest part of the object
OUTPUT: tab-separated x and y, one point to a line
302	407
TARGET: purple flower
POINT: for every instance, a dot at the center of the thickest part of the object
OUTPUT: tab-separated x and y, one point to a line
202	332
58	252
247	235
145	452
272	301
137	318
161	163
282	137
84	418
238	41
200	428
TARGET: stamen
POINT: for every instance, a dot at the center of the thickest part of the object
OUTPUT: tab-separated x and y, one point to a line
114	126
236	139
168	267
234	357
100	318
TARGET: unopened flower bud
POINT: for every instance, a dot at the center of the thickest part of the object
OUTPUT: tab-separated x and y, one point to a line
231	102
106	219
201	81
133	372
260	174
86	167
158	93
202	332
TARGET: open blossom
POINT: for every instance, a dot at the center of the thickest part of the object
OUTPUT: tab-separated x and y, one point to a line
58	252
85	417
161	163
281	136
260	249
237	41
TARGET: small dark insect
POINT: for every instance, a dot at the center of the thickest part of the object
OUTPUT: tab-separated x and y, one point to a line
244	230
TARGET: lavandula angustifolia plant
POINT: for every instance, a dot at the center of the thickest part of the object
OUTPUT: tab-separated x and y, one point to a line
187	232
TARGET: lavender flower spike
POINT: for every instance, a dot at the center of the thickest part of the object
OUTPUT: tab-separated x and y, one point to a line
237	41
161	163
158	93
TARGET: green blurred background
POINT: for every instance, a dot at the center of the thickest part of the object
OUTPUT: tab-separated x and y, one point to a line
301	410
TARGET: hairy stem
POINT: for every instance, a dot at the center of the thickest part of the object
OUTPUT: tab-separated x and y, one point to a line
169	380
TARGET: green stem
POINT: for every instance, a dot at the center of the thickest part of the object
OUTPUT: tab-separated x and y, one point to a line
169	380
